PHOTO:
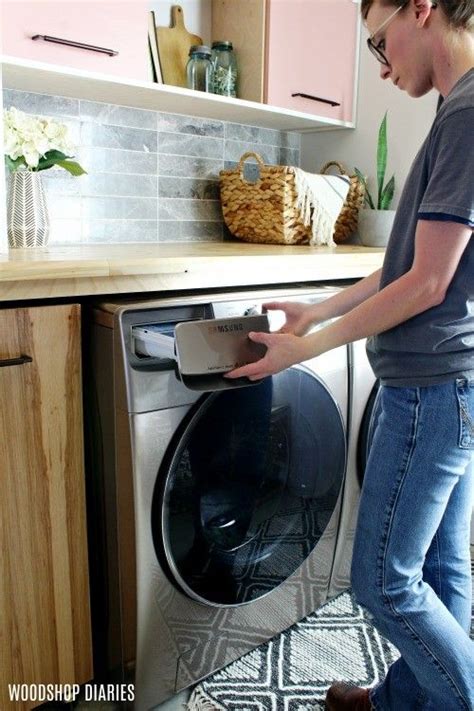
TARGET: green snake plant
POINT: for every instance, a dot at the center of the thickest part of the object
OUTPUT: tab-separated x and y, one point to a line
384	193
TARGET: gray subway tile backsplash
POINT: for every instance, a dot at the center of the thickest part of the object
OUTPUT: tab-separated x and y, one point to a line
235	149
96	231
57	182
189	145
176	123
189	166
202	231
63	207
120	208
117	161
108	185
189	188
182	209
190	231
151	176
112	115
289	156
169	230
104	136
41	104
252	134
65	231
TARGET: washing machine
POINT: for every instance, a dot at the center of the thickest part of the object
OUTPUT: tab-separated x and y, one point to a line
214	514
363	391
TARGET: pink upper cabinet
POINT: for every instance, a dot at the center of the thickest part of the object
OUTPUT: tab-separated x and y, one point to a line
113	24
312	49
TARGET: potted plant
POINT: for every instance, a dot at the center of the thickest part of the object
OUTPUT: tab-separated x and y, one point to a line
376	220
32	144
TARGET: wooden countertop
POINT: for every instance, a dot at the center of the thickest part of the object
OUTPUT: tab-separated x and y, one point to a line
79	270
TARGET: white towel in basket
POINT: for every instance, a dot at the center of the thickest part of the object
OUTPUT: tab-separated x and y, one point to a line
320	200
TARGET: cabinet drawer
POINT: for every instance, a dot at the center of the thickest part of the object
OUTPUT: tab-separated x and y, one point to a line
115	25
44	605
312	49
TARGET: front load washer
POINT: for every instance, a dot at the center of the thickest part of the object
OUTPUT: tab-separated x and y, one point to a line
362	391
214	514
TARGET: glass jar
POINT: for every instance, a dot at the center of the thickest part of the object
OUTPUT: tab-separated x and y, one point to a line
199	68
224	80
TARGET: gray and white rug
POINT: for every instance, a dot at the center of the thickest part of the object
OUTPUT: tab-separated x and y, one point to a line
293	671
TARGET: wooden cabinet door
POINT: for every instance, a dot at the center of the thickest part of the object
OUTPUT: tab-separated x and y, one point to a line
312	48
243	21
45	634
120	25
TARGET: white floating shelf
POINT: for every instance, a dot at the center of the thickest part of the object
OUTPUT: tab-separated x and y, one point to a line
43	78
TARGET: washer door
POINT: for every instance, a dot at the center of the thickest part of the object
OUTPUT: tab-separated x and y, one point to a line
248	486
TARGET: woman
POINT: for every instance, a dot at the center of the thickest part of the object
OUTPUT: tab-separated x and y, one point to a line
411	565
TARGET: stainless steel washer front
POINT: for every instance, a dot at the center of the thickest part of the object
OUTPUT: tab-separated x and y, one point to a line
362	389
220	510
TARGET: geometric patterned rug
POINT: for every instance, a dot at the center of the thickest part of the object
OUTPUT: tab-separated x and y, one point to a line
293	671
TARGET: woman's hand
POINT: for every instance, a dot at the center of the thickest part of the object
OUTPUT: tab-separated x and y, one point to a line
283	350
299	316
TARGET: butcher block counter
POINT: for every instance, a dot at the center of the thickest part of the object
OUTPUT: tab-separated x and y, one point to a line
80	270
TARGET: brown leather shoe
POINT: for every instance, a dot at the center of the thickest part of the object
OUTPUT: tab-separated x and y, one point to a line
344	697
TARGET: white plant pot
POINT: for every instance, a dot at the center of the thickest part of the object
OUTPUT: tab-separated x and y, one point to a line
27	213
375	226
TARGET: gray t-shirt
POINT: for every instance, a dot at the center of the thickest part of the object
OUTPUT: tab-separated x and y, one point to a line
438	344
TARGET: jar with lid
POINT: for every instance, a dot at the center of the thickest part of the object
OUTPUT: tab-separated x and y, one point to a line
224	69
199	68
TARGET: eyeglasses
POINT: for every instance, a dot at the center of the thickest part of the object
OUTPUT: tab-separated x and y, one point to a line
378	49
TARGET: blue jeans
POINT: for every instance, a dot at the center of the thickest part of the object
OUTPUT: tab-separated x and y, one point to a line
411	561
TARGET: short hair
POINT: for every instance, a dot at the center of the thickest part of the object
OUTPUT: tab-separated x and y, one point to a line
459	13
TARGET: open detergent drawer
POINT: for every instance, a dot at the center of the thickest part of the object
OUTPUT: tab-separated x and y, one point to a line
204	349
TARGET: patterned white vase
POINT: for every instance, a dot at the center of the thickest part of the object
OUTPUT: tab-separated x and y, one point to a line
27	213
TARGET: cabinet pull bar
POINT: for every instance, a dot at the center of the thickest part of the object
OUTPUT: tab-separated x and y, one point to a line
317	98
21	360
79	45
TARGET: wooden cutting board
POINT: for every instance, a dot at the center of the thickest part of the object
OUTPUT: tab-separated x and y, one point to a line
173	47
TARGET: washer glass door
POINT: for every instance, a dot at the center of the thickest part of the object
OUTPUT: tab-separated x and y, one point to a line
248	486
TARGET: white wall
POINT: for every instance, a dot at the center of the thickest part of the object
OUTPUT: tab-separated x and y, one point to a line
408	123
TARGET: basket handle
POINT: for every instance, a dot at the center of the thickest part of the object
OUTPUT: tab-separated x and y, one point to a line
338	165
249	154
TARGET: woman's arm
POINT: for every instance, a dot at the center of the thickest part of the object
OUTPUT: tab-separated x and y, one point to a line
439	247
348	298
299	316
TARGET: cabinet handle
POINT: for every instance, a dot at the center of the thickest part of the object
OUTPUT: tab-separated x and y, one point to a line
317	98
79	45
21	360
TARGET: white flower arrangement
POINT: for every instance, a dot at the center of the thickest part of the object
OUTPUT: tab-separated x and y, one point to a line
35	143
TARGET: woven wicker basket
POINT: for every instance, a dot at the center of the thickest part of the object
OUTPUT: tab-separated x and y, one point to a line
346	223
264	211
